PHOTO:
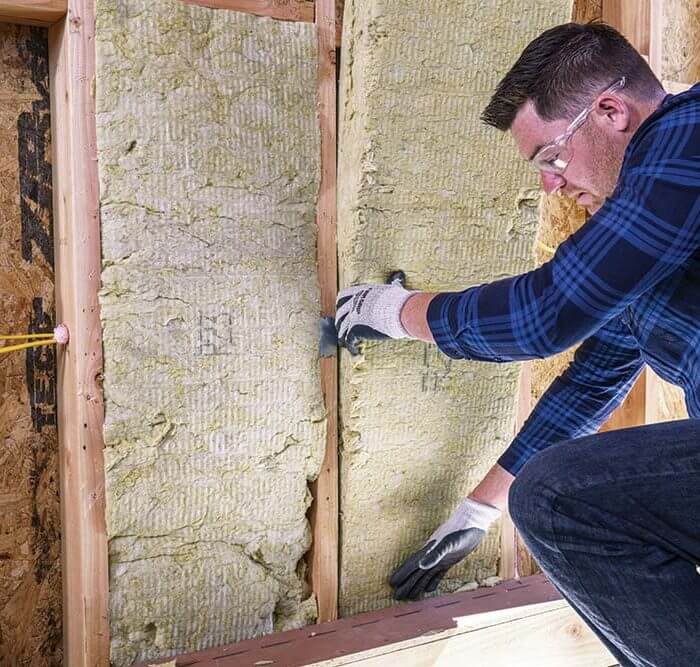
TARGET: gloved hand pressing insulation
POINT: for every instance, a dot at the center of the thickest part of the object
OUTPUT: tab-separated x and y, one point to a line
371	312
449	544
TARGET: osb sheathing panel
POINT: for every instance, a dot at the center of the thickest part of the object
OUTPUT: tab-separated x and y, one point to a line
425	187
208	148
680	39
30	568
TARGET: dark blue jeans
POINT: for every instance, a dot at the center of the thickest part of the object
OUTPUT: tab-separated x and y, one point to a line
613	519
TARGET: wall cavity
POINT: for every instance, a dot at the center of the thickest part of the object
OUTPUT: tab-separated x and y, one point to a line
208	147
426	188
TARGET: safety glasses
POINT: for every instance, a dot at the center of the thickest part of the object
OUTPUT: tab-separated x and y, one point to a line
555	156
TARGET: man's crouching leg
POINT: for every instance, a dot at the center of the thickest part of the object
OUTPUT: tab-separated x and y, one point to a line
612	519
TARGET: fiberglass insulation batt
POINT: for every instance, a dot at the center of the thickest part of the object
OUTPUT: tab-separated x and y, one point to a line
208	147
425	187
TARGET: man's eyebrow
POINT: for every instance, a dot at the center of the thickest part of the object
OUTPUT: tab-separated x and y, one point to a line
537	149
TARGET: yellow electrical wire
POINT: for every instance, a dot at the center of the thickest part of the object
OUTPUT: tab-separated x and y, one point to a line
23	346
27	336
58	336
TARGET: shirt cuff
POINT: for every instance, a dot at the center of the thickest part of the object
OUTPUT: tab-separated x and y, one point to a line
442	321
511	461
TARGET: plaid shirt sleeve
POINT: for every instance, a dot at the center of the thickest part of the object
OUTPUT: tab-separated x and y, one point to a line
647	229
579	401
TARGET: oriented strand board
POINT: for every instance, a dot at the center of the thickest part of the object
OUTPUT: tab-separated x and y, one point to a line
30	568
208	147
678	35
425	187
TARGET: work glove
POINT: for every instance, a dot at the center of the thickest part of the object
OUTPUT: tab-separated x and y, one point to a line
449	544
371	312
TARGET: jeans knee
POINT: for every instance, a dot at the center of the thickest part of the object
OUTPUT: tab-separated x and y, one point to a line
520	501
528	502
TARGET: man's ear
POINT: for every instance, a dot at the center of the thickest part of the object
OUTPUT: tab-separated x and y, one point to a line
613	112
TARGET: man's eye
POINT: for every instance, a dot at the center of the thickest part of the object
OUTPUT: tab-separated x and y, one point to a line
550	156
557	162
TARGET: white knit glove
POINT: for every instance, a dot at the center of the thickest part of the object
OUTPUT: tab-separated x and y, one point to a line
450	543
469	514
370	312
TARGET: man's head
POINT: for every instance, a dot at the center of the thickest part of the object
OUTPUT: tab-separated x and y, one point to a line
564	71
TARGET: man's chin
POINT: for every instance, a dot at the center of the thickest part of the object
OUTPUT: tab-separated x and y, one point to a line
595	206
590	203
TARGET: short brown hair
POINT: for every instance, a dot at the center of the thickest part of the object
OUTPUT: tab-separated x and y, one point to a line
564	68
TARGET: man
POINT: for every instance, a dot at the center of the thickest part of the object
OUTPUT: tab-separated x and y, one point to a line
613	519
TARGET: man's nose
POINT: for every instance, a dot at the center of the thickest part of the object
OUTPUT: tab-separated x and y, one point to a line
552	182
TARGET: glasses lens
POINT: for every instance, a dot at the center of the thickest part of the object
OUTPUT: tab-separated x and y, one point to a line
553	159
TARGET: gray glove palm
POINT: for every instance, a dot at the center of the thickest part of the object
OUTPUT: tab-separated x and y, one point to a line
449	544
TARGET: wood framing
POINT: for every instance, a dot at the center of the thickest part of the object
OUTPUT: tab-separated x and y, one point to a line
80	403
516	561
526	618
656	19
632	412
631	18
323	557
32	12
288	10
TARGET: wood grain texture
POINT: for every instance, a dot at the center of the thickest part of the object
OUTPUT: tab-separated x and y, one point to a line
285	10
324	515
524	565
32	12
656	29
549	638
516	561
80	409
632	412
631	18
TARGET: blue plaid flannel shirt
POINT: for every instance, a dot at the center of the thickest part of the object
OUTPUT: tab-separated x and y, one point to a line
627	284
